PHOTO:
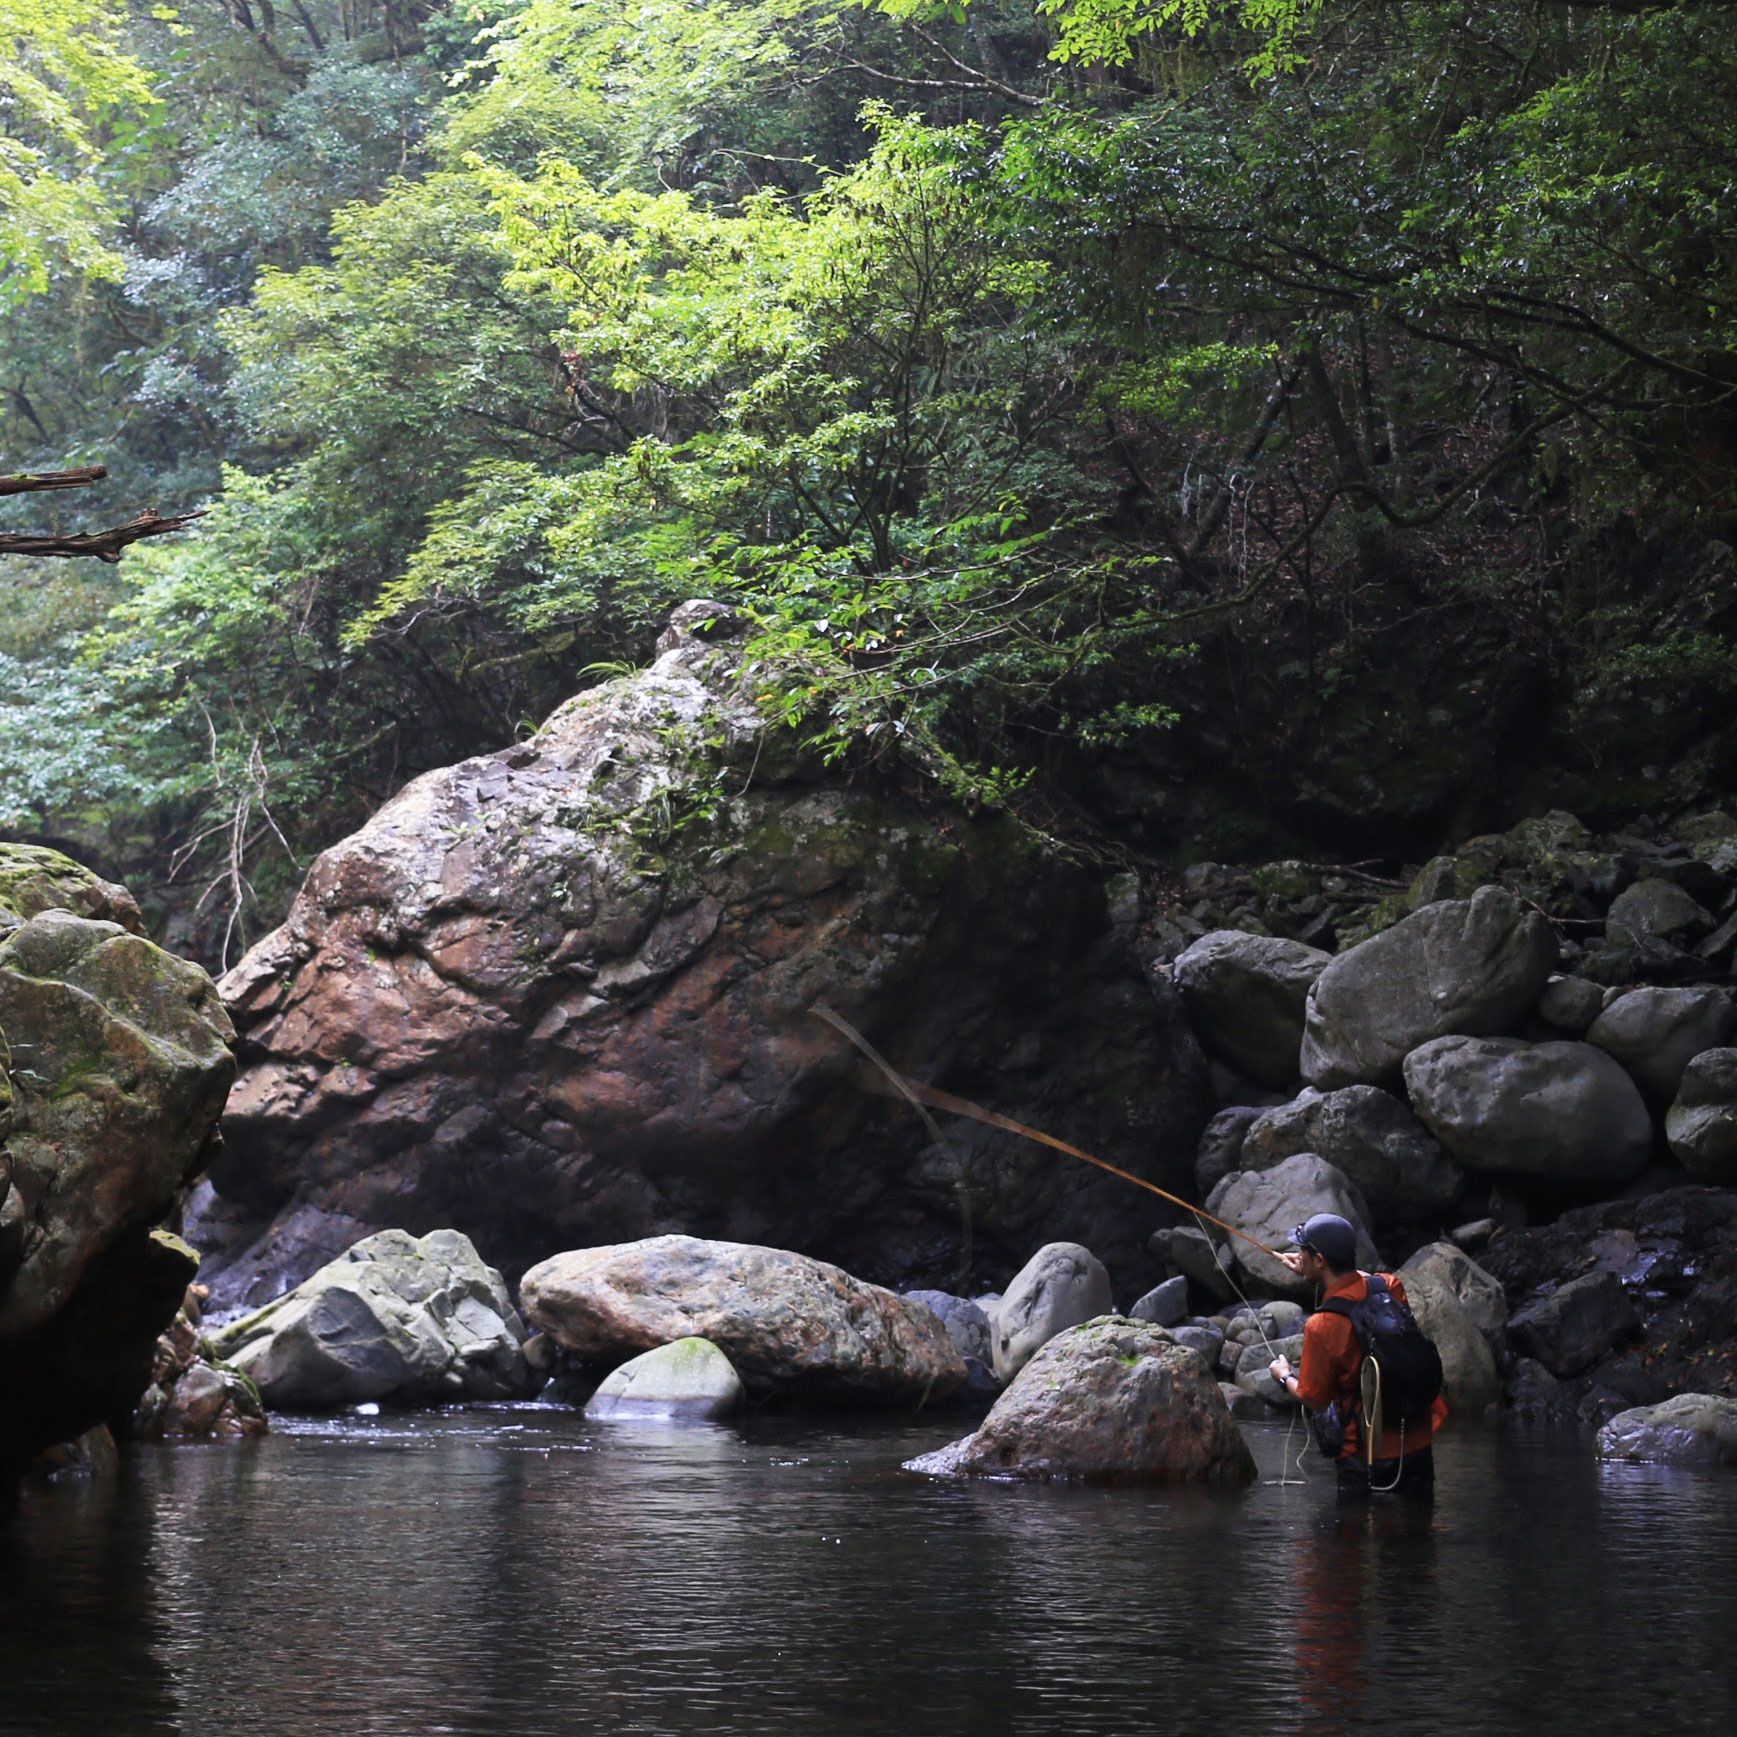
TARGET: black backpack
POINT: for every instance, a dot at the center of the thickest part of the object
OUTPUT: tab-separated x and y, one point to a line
1409	1365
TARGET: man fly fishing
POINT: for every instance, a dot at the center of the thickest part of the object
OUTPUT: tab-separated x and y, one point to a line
1368	1373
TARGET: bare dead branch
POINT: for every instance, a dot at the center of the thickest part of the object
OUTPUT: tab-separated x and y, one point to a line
102	545
27	482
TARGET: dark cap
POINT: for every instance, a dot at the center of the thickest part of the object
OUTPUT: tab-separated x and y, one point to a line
1330	1236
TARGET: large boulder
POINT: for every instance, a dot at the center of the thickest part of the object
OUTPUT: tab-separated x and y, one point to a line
1562	1111
1656	1033
114	1065
1470	1383
1112	1400
567	994
415	1320
1245	996
1473	966
1371	1137
1655	910
1059	1287
1576	1324
1220	1148
1693	1429
789	1324
1702	1123
1477	1291
966	1323
686	1381
1268	1204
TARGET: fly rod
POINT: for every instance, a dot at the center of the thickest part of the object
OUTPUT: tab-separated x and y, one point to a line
918	1095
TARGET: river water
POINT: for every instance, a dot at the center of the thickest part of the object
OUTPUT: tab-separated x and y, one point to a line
517	1572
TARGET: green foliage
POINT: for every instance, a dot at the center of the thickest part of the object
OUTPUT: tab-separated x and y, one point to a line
65	81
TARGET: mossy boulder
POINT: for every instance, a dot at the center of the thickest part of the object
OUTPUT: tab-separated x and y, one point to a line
115	1065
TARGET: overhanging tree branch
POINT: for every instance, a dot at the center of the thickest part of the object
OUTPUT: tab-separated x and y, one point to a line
99	545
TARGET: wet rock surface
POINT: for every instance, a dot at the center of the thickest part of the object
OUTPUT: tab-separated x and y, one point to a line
688	1380
1702	1124
1112	1400
1693	1429
566	994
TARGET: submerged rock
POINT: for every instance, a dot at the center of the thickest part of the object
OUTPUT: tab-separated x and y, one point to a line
1693	1429
396	1317
1472	966
1112	1400
688	1380
566	994
1059	1287
789	1324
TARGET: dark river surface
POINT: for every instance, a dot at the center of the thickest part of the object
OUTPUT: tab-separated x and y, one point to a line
518	1571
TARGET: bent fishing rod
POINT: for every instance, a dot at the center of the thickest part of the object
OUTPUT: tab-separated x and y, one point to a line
923	1098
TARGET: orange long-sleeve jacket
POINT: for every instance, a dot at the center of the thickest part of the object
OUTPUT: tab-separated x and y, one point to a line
1332	1361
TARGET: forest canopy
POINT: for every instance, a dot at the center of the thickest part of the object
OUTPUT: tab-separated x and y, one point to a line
1079	394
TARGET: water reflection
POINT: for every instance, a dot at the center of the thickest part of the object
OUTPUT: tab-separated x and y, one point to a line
520	1571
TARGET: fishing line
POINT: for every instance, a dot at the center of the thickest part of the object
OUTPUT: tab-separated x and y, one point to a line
921	1098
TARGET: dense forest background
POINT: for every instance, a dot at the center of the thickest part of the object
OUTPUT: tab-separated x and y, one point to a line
1207	429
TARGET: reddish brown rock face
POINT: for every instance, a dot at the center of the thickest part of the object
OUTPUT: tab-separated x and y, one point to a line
789	1325
564	995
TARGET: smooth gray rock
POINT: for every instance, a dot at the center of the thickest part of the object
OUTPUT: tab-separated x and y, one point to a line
1479	1293
1473	966
1566	1111
1252	1367
1220	1148
1245	996
1198	1336
1204	1257
1693	1429
687	1381
1470	1383
1655	910
1569	1330
1110	1400
1702	1123
1656	1033
1571	1004
1165	1305
1268	1204
967	1325
1372	1137
1059	1287
396	1317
